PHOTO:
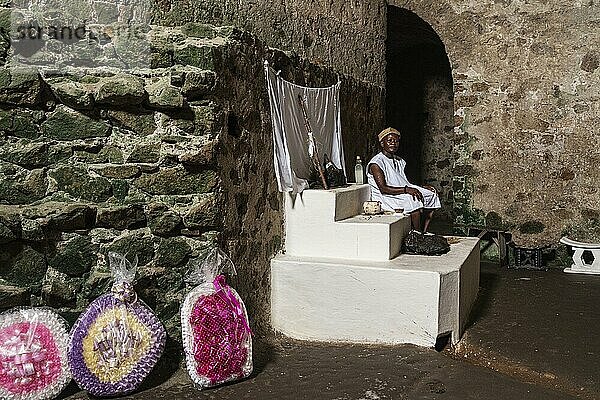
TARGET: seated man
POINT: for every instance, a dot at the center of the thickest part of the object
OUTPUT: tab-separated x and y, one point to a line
389	185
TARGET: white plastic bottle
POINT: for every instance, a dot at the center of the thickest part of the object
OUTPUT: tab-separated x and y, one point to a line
359	174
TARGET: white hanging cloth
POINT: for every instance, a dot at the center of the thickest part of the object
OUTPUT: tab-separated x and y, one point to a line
291	144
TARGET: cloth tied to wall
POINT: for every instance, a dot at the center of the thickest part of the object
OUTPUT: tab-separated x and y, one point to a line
291	145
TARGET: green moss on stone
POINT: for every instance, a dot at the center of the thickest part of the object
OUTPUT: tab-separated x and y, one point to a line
75	257
142	124
78	183
145	153
162	221
120	189
73	94
118	171
21	189
108	154
199	30
172	252
134	244
205	214
28	267
66	124
196	56
20	123
129	216
120	90
177	181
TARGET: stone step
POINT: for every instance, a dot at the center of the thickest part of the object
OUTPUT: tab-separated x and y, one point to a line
327	223
410	299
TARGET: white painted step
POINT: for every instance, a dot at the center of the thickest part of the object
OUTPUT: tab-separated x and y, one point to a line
327	223
410	299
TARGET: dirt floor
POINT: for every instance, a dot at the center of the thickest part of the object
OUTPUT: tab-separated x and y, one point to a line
532	336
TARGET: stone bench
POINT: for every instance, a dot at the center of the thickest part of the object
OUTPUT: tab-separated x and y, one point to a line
580	265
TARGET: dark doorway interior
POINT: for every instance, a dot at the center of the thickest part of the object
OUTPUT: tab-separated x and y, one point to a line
419	100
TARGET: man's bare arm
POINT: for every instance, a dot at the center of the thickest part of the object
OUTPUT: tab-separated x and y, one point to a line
384	188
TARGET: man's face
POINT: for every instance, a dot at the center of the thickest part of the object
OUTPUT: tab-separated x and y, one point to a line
390	143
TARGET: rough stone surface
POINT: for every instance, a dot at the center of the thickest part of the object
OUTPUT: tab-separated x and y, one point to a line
117	171
120	90
74	256
347	35
162	221
13	296
177	181
121	217
206	155
141	124
73	94
145	153
163	96
21	123
26	268
67	124
24	187
172	252
198	84
79	184
20	87
203	215
59	290
134	244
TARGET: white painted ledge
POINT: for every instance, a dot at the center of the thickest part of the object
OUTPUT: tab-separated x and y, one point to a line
410	299
326	223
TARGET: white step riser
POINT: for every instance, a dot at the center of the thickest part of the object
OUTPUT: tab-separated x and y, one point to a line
315	227
399	301
376	242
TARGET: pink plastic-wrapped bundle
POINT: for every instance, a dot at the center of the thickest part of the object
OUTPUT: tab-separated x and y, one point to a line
117	340
33	354
216	335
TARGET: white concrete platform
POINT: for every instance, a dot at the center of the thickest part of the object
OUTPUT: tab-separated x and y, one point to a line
326	223
410	299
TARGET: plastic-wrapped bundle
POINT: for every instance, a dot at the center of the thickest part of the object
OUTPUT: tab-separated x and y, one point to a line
117	340
216	336
33	354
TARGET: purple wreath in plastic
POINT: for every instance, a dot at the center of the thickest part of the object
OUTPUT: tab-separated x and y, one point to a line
117	340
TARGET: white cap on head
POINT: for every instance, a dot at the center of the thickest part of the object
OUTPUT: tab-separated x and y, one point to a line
386	132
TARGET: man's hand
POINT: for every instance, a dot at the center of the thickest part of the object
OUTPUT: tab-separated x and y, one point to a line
414	193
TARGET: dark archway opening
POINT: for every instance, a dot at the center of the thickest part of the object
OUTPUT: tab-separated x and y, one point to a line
419	99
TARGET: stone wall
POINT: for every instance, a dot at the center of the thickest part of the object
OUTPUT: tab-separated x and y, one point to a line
526	108
162	164
346	35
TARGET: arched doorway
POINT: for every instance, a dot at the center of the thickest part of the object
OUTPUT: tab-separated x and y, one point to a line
420	100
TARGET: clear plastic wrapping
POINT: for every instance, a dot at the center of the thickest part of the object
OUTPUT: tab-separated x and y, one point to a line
118	339
216	335
33	354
